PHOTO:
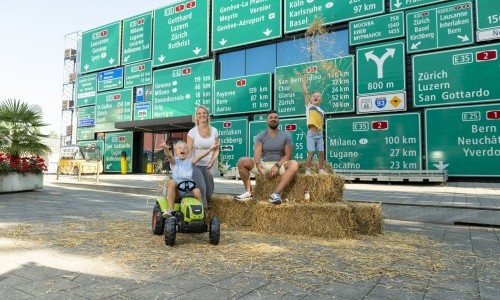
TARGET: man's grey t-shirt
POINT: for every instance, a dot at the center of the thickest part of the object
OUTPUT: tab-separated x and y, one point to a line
273	149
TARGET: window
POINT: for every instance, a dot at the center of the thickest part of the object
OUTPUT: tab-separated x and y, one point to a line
261	59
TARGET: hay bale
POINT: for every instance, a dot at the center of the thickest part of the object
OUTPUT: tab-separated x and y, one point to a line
367	217
230	211
331	220
322	188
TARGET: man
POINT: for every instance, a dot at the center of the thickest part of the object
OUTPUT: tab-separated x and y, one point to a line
272	156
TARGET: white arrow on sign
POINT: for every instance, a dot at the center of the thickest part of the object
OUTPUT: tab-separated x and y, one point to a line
86	66
108	166
161	58
464	38
397	4
380	61
441	166
223	42
125	59
197	50
111	60
415	45
267	32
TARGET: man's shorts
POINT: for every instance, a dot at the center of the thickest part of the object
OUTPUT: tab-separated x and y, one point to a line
315	141
267	165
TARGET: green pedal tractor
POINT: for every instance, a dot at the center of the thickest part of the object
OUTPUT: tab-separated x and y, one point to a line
189	217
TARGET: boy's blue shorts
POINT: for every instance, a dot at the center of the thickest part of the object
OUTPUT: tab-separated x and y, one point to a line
315	141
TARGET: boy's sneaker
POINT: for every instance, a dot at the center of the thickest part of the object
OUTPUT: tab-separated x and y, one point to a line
275	198
322	172
168	213
308	171
243	197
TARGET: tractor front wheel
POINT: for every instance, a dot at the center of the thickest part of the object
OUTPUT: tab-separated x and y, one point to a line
214	233
170	231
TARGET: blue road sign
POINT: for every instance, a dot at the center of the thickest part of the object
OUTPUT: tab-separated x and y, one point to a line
110	74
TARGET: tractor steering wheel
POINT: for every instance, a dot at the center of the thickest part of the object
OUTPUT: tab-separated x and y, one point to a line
186	186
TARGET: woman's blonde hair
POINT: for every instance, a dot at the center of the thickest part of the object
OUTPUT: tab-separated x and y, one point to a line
208	117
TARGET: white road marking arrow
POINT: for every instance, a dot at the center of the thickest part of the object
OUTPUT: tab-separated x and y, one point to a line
415	45
441	166
380	61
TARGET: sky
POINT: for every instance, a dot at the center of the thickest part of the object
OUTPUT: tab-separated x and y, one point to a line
32	42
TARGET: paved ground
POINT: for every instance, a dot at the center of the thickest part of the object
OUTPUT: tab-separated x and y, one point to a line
51	248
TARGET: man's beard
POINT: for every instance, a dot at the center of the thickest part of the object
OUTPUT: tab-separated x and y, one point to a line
273	125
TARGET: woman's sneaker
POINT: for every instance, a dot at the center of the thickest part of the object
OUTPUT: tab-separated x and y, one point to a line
168	213
243	197
275	198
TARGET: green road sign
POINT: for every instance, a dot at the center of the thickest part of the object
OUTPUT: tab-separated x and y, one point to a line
296	127
137	37
242	95
85	133
464	140
86	116
456	76
377	29
488	20
405	4
113	107
177	91
236	24
86	90
334	78
142	111
300	14
439	26
181	32
115	144
138	74
381	72
381	142
233	136
260	117
110	79
101	48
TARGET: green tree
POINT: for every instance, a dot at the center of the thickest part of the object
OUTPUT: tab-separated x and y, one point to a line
20	125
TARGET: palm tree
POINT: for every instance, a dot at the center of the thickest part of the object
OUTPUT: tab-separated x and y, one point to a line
20	125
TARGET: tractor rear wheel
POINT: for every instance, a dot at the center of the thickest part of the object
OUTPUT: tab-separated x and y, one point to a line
157	222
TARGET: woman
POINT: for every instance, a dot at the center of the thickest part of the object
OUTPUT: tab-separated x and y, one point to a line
199	139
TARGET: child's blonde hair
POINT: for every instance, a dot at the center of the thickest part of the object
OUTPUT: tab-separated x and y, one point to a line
178	144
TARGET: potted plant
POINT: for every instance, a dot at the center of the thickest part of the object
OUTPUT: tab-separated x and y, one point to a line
20	144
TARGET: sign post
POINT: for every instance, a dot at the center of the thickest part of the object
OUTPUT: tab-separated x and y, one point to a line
376	29
464	75
334	78
101	48
242	95
137	37
111	107
381	77
464	140
86	90
439	26
381	142
180	32
236	24
488	20
177	91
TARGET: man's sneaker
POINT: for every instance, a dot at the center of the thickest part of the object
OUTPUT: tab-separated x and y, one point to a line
322	172
243	197
275	198
308	171
168	213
